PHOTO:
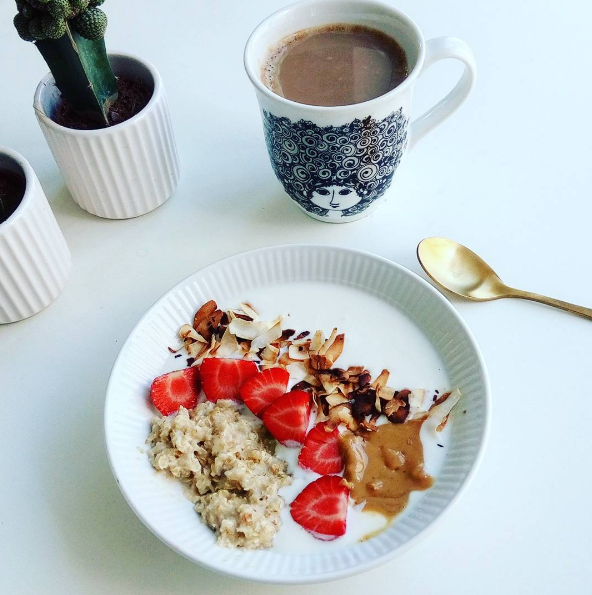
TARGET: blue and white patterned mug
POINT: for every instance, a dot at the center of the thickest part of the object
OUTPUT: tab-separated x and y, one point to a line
337	162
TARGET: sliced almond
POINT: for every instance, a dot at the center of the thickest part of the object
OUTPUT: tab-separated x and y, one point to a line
204	312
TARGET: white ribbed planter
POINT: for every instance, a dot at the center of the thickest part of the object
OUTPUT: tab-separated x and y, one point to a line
119	172
34	257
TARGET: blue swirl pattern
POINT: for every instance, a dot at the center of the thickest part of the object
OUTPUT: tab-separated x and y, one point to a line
362	155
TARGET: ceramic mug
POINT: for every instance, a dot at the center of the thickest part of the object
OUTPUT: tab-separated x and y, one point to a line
34	257
337	162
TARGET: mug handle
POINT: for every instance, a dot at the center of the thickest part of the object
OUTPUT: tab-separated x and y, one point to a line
437	49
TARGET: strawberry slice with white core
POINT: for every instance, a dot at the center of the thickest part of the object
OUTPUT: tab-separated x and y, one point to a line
223	378
287	418
175	389
264	388
320	452
321	507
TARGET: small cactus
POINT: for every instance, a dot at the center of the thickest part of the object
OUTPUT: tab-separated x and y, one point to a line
69	34
91	23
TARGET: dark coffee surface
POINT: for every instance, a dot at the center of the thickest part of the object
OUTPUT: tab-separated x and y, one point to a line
335	65
12	190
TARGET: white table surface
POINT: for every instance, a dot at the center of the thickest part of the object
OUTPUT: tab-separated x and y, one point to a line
509	175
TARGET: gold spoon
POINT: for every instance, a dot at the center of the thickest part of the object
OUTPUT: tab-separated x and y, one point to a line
459	270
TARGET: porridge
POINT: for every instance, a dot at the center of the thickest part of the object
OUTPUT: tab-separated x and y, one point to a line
226	460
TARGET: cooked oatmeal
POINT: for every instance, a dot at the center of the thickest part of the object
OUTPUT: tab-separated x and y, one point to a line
226	459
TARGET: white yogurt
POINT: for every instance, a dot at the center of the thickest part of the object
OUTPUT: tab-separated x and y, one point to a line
377	336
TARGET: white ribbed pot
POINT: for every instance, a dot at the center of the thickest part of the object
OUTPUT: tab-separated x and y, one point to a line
122	171
34	257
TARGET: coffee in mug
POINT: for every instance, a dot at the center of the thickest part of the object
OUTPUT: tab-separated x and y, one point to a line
335	65
335	81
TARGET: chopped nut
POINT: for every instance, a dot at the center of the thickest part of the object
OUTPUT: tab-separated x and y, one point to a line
208	326
204	313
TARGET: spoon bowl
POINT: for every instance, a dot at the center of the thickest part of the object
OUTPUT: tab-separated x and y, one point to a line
462	272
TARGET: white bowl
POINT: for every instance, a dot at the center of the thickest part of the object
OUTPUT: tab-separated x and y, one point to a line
401	322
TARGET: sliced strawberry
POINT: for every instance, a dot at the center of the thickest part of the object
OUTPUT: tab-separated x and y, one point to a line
287	418
223	378
264	388
321	507
320	452
175	389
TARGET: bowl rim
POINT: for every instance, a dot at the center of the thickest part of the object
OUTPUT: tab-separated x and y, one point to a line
252	575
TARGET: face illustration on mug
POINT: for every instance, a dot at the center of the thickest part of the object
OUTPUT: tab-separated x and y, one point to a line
335	198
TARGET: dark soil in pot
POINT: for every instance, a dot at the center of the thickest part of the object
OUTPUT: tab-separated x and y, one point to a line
12	190
134	96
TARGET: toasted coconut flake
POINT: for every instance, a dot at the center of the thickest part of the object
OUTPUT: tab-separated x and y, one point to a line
196	349
330	385
251	356
247	329
313	380
297	370
210	350
417	403
266	338
228	345
317	342
298	352
336	348
319	362
327	344
188	332
249	311
335	399
381	379
204	313
270	354
385	392
285	360
341	414
355	370
438	415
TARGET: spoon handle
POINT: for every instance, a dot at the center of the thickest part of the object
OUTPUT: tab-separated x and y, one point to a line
535	297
